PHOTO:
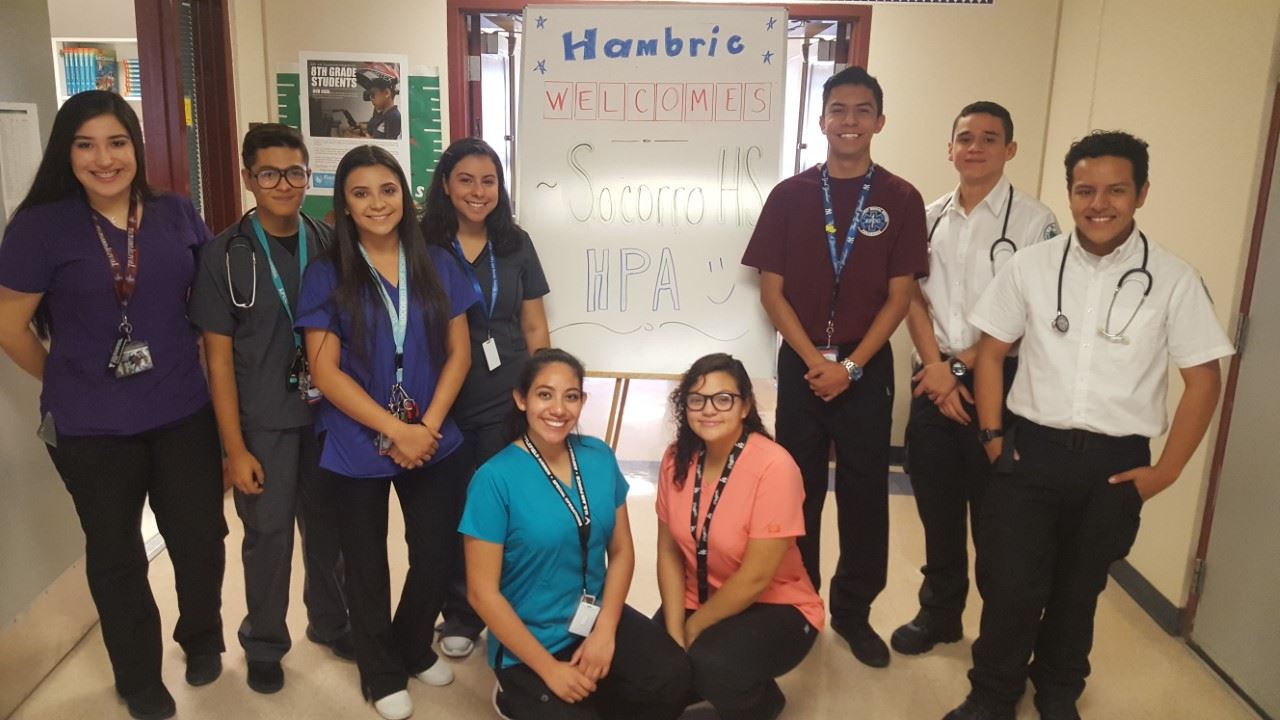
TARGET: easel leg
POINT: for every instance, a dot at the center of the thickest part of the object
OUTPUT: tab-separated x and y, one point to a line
614	429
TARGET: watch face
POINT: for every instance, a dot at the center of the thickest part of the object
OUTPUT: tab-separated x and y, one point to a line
958	368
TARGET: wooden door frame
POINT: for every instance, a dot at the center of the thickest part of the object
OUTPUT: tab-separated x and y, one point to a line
164	104
464	90
1233	372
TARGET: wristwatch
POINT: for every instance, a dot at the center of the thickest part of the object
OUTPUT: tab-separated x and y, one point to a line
853	368
958	368
986	435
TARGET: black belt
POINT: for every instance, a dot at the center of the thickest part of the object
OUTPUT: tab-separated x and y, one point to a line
1077	440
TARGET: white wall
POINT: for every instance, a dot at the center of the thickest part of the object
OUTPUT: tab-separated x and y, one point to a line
1193	79
95	19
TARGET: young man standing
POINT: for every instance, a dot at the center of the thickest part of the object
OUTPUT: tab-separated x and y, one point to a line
973	230
836	290
243	300
1100	312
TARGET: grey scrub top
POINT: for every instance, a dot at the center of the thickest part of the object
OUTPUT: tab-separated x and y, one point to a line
485	398
262	336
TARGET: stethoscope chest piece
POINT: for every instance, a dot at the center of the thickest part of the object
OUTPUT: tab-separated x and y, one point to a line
1061	323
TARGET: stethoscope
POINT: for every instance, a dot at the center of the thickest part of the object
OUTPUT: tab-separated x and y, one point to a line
1062	324
244	242
995	246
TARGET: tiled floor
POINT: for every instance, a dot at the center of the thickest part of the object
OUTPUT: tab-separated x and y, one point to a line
1139	672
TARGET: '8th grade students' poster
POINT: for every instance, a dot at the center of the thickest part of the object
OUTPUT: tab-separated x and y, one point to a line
351	99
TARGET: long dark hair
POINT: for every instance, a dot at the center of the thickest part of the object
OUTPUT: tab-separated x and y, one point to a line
357	288
55	180
687	445
517	421
440	220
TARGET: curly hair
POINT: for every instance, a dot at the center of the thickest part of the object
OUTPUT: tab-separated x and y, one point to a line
687	445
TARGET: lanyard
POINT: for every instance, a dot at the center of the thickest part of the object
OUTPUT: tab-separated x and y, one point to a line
275	274
124	279
700	541
475	279
583	520
838	263
399	314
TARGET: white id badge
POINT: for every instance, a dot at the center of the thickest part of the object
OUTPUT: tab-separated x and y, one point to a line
832	354
584	619
490	347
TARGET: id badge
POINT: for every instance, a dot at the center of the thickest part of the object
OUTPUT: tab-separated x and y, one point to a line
135	358
830	352
491	358
117	352
309	393
584	618
47	433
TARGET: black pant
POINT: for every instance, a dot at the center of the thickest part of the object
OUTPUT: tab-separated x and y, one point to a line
858	421
736	660
178	468
478	445
291	461
1052	525
949	474
648	680
389	650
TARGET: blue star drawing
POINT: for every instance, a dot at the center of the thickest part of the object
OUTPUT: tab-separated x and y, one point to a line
541	67
768	57
768	26
542	22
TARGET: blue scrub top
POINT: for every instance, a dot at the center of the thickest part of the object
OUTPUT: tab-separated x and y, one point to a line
511	503
349	447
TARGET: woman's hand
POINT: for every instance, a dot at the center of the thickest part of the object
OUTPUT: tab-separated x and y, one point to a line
241	470
595	655
568	682
412	445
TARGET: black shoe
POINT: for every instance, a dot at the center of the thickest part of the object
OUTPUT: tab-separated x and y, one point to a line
203	669
342	645
1057	710
864	642
921	634
154	703
970	710
265	676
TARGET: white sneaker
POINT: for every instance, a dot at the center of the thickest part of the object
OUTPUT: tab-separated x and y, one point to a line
437	675
457	646
396	706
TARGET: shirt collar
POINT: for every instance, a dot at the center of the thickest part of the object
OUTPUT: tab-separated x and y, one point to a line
994	201
1131	247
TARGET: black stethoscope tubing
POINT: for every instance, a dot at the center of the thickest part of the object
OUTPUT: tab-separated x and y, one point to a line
1004	231
248	242
1060	321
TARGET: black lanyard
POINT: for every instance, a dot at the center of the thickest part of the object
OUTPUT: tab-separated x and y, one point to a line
583	519
700	541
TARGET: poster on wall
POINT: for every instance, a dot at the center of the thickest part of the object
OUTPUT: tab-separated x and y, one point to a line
351	99
650	136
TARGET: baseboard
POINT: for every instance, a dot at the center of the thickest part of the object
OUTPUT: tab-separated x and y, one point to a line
1167	615
33	644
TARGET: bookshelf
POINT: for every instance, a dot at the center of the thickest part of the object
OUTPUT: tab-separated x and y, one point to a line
86	63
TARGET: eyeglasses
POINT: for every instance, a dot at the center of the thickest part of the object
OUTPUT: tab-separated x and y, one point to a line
721	401
269	177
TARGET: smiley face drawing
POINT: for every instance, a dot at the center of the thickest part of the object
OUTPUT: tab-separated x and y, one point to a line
715	267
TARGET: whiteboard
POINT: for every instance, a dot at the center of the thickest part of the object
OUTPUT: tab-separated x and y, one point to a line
649	137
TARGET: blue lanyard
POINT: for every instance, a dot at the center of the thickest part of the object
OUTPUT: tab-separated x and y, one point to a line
399	315
475	279
275	274
838	263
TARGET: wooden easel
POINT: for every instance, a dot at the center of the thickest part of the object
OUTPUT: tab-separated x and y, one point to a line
621	386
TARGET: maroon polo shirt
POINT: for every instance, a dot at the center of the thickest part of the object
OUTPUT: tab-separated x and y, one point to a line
790	240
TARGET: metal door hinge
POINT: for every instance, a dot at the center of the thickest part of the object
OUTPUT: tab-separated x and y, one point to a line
1242	332
1197	578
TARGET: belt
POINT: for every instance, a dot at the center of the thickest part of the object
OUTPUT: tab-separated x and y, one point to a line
1079	440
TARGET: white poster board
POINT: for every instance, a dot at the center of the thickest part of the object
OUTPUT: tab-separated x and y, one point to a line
338	110
649	138
20	152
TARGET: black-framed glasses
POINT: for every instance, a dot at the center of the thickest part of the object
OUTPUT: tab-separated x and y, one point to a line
269	177
721	401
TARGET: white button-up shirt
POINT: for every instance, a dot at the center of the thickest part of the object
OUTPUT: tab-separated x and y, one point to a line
1080	379
960	246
